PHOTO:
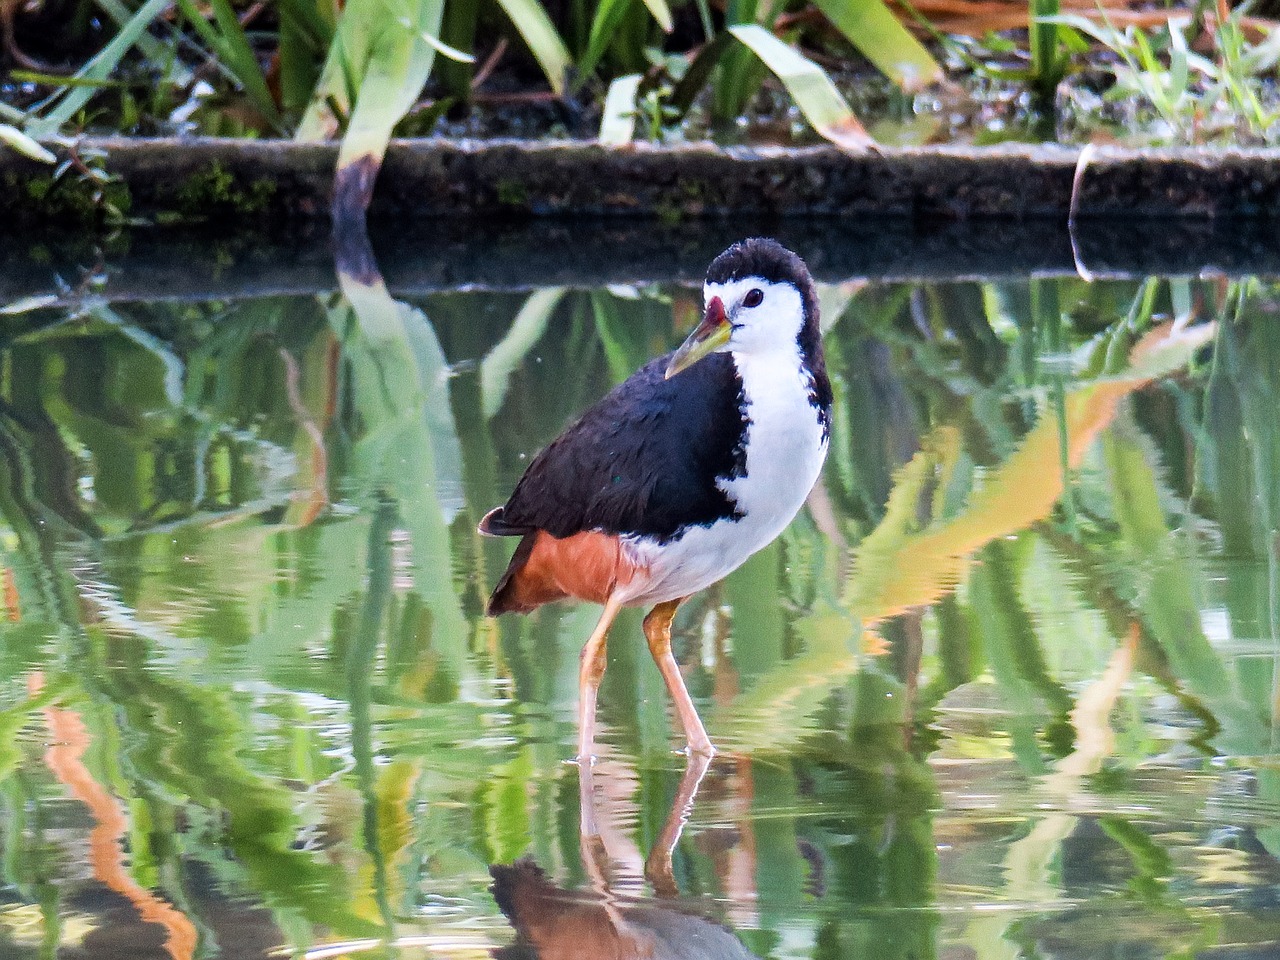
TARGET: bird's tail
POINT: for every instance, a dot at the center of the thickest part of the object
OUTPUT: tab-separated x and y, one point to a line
508	597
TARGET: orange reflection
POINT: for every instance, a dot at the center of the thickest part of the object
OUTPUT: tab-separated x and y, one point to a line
920	569
70	740
11	608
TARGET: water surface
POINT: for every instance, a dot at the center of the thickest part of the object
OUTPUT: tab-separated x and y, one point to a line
1007	688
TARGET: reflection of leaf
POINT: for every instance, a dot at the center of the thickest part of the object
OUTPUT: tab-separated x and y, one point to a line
1011	497
898	569
526	330
106	854
1166	595
406	446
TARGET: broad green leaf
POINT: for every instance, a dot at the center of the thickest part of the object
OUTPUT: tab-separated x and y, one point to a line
876	32
19	141
809	86
375	71
537	30
618	124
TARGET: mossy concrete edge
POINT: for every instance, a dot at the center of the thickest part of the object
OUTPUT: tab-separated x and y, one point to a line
281	182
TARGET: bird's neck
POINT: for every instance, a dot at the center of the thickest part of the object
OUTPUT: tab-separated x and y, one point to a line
774	379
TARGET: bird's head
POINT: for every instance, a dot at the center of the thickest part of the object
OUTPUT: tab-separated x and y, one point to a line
759	298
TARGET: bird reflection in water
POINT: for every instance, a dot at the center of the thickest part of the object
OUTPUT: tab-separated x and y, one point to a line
610	921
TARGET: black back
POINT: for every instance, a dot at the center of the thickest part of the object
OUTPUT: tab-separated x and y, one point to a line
643	460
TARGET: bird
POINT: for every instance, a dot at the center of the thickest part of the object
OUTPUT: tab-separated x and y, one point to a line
679	474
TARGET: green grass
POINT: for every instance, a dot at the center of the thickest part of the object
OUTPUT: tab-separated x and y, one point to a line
649	69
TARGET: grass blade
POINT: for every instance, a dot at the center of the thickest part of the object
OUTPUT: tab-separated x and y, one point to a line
882	39
98	68
442	48
1048	62
305	35
228	42
661	13
537	31
15	138
809	86
605	25
698	73
618	124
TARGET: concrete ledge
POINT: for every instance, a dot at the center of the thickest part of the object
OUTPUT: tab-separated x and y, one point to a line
279	183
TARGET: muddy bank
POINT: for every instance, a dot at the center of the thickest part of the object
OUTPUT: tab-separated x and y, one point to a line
280	184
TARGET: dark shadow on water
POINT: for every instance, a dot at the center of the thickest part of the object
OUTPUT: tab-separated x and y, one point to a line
437	256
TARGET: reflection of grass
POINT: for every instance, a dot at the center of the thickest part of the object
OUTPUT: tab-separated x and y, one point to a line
261	678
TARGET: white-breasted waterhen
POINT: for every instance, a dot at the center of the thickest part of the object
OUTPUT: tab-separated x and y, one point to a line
679	474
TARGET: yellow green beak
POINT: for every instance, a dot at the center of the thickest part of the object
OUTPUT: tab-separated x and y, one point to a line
712	334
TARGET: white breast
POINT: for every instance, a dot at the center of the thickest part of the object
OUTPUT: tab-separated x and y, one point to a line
785	448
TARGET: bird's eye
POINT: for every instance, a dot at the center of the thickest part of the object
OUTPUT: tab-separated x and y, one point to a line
753	298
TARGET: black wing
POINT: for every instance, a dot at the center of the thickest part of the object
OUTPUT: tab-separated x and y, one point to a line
643	460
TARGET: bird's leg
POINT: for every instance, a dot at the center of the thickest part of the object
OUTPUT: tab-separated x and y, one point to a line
657	630
590	672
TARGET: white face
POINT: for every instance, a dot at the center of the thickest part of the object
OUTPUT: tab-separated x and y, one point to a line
765	316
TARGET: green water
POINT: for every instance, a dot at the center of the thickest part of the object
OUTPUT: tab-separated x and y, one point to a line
1008	688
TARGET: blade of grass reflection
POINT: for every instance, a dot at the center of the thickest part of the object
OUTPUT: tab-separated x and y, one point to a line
758	622
1165	595
1028	870
406	444
1092	576
898	570
307	507
384	831
1005	629
1046	311
1152	863
1251	361
526	331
